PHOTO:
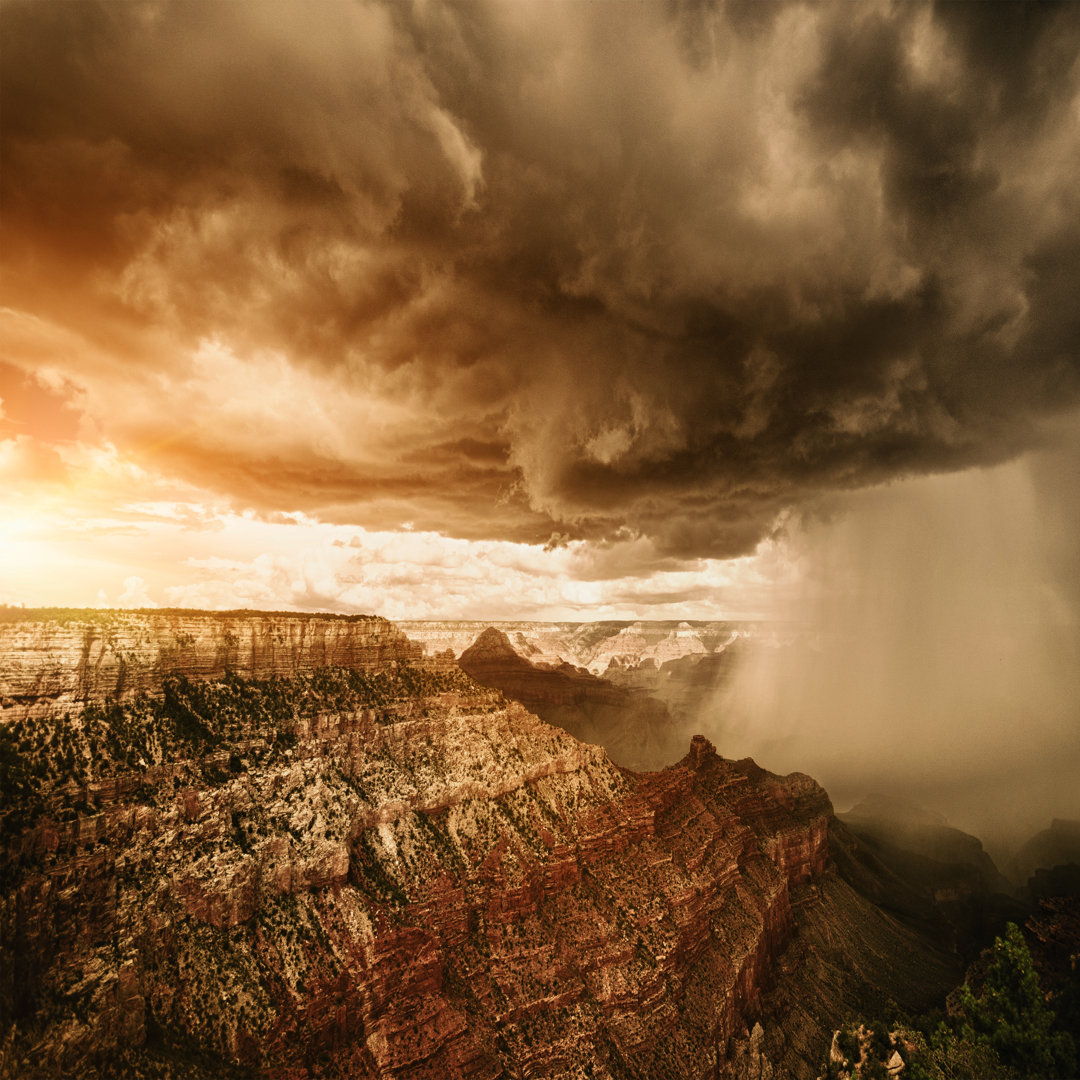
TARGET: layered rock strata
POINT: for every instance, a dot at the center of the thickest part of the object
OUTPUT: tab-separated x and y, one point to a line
57	659
636	730
432	884
693	688
386	870
639	689
595	646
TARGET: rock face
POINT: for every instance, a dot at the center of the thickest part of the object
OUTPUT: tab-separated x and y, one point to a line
635	729
390	871
691	686
685	669
952	862
1057	846
595	646
76	656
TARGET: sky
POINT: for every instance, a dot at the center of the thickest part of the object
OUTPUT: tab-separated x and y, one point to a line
452	309
559	311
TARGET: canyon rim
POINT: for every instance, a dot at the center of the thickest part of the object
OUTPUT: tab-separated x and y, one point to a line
537	539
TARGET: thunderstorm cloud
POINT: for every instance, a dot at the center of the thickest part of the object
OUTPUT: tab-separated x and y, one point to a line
540	272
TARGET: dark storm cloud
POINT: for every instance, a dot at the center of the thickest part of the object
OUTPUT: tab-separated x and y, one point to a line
657	268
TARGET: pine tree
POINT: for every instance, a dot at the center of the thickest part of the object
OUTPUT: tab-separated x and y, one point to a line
1011	1016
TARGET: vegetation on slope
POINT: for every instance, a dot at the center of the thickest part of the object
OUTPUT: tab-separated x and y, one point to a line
15	613
188	721
1000	1027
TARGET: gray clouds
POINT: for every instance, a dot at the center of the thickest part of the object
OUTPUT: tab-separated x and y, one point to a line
510	270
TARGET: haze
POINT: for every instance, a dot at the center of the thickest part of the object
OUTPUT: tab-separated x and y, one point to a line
940	663
573	311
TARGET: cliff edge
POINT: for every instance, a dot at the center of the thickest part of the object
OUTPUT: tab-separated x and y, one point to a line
56	658
386	870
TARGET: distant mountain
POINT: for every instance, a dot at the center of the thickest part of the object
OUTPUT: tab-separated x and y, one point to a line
635	729
895	812
1058	845
600	647
686	666
944	865
690	685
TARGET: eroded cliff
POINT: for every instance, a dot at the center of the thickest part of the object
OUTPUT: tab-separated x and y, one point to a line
595	646
439	886
635	729
389	871
55	659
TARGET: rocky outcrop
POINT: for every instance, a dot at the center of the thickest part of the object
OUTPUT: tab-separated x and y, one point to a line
60	658
691	686
959	885
390	871
429	882
952	863
683	669
1053	935
548	643
634	728
1058	845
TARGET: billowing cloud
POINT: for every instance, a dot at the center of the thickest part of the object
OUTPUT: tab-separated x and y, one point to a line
537	273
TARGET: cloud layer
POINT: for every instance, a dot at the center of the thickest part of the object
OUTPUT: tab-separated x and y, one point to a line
507	271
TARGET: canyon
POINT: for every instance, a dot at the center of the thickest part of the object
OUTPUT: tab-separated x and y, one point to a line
639	689
595	646
636	729
686	666
298	845
56	662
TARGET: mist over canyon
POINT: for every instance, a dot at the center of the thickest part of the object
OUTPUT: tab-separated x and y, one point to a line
312	845
914	712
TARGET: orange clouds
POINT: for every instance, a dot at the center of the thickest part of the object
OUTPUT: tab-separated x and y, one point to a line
509	272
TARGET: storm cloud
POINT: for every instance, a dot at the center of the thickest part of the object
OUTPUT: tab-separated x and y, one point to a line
564	270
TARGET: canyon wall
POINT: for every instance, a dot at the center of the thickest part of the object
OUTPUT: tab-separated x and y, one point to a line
386	870
441	887
594	646
60	659
686	670
634	728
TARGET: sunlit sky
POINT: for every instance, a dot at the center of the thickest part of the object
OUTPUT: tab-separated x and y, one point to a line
83	543
499	310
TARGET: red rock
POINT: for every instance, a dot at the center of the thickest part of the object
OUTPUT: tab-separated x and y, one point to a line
190	803
435	888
